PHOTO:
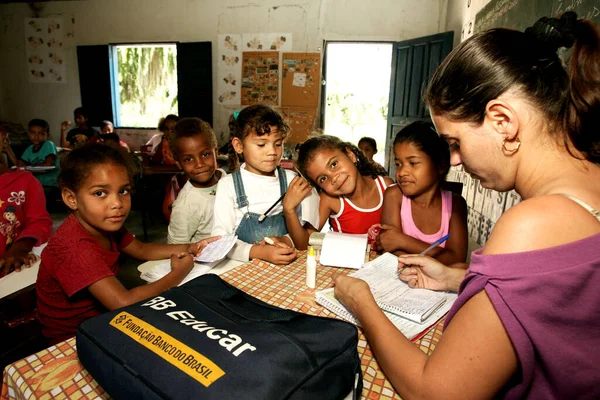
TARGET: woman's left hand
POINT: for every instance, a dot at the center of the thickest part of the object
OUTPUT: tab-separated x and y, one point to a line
352	292
196	248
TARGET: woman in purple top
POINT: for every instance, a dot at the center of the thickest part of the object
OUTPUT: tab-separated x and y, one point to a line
527	320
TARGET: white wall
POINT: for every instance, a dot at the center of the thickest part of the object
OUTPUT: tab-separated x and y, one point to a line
90	22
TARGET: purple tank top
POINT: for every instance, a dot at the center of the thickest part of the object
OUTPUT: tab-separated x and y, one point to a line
549	303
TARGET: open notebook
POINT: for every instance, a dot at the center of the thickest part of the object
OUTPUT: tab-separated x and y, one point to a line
411	310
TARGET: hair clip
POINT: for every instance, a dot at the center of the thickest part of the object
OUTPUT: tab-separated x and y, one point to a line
236	113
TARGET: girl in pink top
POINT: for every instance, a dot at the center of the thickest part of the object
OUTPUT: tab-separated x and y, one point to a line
416	212
351	194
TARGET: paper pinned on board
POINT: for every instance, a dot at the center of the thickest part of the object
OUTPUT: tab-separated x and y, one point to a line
216	251
299	79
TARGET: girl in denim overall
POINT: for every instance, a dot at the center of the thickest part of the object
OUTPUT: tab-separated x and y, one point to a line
257	133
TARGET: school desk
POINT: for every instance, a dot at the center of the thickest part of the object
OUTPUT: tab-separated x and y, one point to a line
56	372
16	281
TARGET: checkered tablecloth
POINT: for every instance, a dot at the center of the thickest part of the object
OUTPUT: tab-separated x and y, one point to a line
55	373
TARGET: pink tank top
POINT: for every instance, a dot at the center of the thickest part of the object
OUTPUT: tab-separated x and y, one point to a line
409	227
353	219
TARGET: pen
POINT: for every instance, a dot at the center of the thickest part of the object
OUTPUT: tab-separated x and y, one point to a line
433	245
264	215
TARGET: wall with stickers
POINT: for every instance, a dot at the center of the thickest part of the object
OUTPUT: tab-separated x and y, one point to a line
233	27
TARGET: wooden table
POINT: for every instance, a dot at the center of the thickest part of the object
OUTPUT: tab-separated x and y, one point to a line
56	372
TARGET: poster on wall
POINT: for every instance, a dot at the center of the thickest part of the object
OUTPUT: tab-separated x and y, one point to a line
300	79
278	41
260	77
44	50
301	120
229	69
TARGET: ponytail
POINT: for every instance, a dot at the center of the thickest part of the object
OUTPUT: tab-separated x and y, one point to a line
583	117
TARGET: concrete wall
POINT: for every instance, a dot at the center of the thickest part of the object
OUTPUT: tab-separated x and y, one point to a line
89	22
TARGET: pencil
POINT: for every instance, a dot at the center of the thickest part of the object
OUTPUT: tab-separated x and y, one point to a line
427	250
264	215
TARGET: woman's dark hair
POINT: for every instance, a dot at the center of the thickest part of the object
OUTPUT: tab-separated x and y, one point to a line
162	123
315	144
490	63
190	127
423	135
42	123
80	162
258	118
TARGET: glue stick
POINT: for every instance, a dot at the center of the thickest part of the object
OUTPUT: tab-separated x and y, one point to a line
311	268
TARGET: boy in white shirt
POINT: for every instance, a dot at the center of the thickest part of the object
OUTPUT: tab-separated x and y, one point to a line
195	150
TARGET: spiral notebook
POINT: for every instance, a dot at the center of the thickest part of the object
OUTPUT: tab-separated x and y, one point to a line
411	310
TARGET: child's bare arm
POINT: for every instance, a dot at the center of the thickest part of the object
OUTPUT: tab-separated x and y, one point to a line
159	251
63	134
112	294
297	191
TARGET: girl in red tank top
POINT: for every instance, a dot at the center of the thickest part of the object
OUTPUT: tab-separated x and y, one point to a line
351	194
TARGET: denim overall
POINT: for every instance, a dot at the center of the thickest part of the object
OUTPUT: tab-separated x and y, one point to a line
249	229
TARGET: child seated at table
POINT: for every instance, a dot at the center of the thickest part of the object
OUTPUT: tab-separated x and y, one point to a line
258	133
351	192
416	211
76	279
24	221
42	153
195	150
77	136
107	133
368	146
161	142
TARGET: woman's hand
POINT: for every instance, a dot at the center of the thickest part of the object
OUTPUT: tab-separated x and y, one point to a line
427	273
352	292
297	191
196	248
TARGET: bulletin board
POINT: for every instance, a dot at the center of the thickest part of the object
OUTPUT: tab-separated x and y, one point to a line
260	77
301	120
301	79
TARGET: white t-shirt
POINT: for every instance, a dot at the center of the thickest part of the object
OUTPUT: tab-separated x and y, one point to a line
262	192
192	215
155	141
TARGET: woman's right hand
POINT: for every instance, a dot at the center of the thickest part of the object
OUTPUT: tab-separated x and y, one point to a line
182	262
425	273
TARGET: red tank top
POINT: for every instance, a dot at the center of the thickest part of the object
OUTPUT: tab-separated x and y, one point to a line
353	219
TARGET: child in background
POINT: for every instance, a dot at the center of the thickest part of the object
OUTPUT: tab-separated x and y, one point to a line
351	193
161	142
416	212
107	128
42	153
258	133
24	221
76	280
368	146
195	150
81	134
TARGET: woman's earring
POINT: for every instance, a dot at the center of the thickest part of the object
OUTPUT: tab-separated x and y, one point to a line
511	151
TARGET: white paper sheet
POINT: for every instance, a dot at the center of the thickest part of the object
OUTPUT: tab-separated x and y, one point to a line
162	269
343	250
216	251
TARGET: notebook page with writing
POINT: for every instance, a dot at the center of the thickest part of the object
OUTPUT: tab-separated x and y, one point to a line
394	295
343	250
410	329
